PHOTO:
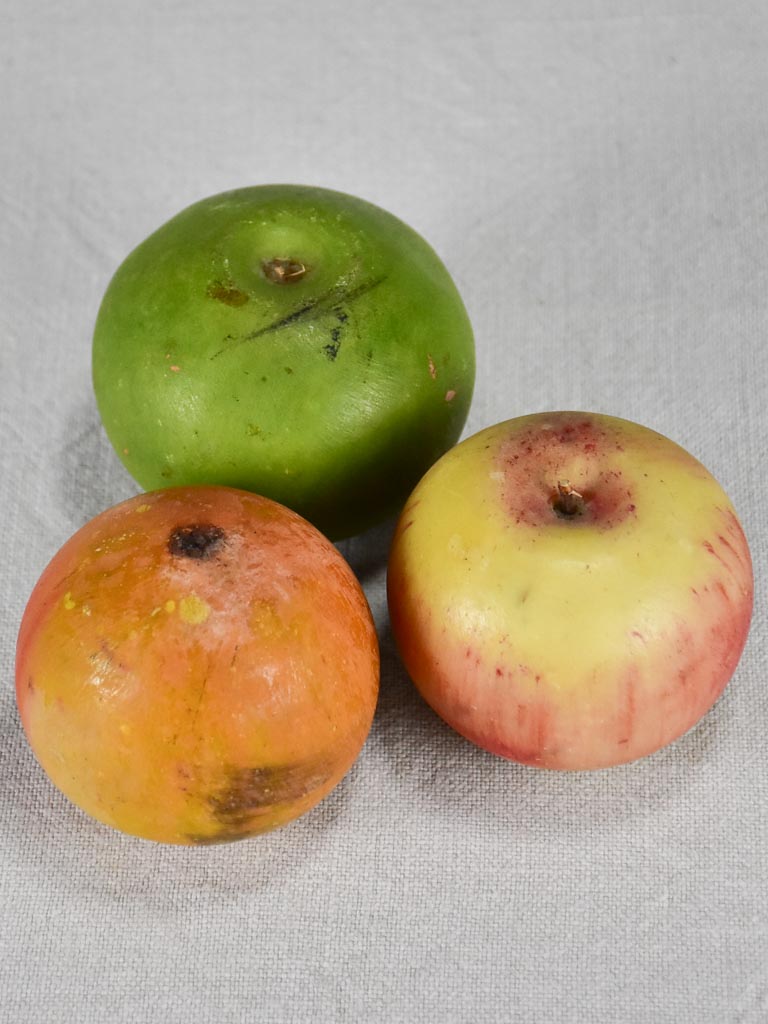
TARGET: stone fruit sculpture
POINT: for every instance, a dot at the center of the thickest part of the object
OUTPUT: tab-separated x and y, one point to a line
197	665
291	341
570	590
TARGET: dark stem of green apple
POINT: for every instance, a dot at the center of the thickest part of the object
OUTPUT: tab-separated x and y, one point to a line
280	270
567	502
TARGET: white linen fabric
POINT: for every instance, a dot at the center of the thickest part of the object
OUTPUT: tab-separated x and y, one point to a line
594	174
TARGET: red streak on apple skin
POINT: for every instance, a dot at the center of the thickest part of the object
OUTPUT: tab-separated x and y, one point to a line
630	684
645	713
530	740
734	528
568	447
708	547
728	546
528	755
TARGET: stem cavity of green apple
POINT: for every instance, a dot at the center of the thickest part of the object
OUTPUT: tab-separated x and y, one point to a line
280	270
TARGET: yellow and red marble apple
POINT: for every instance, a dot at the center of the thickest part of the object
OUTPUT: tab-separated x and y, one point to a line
197	665
570	590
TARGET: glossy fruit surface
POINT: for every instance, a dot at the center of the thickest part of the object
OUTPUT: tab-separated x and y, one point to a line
197	665
570	590
293	341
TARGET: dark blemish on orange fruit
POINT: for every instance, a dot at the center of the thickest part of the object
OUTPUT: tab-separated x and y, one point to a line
224	836
246	791
226	293
198	542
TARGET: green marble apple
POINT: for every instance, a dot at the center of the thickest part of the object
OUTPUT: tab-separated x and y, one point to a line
293	341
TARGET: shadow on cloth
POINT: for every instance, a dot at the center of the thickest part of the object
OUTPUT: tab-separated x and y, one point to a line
435	766
79	855
88	474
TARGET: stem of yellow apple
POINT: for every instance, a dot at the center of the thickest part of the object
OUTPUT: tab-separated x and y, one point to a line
568	502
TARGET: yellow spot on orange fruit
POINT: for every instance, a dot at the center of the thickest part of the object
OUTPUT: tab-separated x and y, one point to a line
265	621
194	610
69	604
143	508
170	606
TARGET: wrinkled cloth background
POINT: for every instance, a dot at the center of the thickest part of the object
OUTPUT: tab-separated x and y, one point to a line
595	175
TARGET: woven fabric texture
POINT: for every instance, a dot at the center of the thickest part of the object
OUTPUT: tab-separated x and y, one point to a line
593	173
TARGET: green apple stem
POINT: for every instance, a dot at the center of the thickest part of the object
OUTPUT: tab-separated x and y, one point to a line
567	502
280	270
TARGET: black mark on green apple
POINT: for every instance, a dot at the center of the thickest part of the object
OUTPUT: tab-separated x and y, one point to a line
226	293
313	309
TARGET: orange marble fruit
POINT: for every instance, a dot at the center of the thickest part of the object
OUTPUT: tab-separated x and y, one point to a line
197	665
